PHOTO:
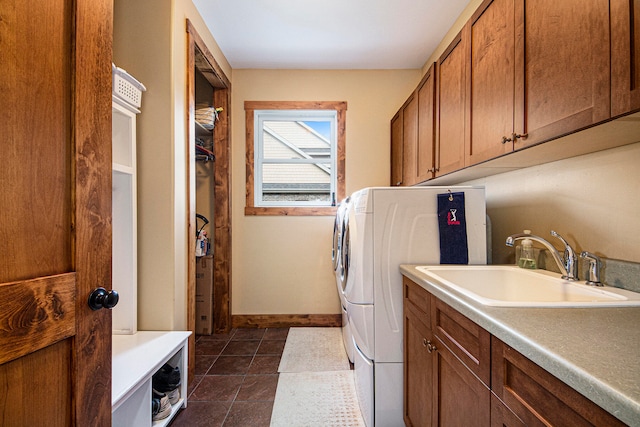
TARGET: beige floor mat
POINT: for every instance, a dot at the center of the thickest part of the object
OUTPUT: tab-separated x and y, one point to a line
314	350
316	399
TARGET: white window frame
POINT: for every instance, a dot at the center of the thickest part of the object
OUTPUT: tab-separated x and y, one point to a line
298	115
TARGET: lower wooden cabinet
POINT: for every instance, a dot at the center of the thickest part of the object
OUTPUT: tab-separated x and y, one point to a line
439	388
460	398
501	416
418	384
537	397
458	374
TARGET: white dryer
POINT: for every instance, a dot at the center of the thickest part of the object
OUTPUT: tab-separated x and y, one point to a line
387	227
338	268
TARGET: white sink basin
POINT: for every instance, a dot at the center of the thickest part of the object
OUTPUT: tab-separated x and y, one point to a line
510	286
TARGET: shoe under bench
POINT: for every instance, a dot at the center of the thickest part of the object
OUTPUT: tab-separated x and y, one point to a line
135	358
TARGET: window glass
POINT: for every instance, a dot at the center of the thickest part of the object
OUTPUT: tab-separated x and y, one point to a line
295	158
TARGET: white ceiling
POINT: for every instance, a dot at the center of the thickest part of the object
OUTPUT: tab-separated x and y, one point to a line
329	34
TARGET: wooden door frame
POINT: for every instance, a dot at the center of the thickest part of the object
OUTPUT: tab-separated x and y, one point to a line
221	233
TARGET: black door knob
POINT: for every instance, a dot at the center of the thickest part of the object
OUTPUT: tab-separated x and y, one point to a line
102	298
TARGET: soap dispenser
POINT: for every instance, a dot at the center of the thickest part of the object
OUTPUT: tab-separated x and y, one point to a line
527	256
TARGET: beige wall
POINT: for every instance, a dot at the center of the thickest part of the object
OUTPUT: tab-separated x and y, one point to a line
282	265
592	200
150	43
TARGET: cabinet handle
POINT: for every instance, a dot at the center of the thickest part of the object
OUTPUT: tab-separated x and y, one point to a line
505	139
430	347
516	136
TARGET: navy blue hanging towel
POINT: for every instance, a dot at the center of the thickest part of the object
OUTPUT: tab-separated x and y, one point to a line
452	225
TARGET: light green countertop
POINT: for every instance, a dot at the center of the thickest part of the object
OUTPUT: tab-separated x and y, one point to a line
596	351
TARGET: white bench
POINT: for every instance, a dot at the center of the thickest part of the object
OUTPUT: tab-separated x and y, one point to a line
135	359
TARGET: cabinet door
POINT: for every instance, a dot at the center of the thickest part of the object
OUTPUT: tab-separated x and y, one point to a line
467	340
490	81
501	416
537	397
461	399
625	56
396	149
410	141
418	365
451	106
426	126
562	67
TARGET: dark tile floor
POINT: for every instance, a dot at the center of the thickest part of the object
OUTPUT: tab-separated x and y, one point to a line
236	375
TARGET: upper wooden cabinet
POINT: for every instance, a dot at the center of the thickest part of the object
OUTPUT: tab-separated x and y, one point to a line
413	134
625	56
426	91
451	98
562	63
491	82
397	149
410	141
524	72
538	70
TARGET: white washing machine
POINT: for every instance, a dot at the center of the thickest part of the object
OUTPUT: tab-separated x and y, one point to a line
387	227
338	267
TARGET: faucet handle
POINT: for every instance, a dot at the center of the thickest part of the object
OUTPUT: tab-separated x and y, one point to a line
570	258
595	265
567	247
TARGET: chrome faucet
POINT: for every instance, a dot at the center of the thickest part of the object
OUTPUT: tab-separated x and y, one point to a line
568	264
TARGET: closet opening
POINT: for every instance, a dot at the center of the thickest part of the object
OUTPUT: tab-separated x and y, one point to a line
209	192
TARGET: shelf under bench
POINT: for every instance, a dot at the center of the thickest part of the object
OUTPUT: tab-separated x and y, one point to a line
135	358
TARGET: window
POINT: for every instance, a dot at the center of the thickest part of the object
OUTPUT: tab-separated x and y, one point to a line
295	157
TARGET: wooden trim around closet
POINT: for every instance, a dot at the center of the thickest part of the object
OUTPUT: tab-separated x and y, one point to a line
221	233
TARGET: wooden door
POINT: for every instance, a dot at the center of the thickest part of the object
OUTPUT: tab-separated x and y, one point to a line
55	201
451	106
490	81
426	126
562	67
396	149
625	56
410	141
